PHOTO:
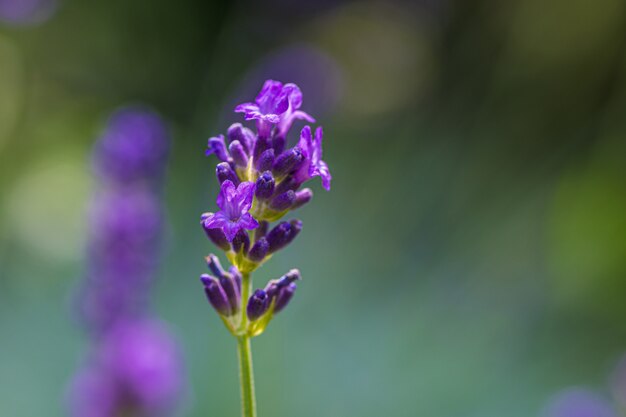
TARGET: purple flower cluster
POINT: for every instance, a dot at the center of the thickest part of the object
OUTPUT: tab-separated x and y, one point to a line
134	367
260	181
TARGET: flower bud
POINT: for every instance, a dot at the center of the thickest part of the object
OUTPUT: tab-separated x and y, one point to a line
283	234
292	276
264	186
259	250
238	153
214	265
217	146
283	201
284	296
216	295
302	197
242	134
216	236
287	184
257	305
232	292
234	272
287	161
241	242
265	161
224	172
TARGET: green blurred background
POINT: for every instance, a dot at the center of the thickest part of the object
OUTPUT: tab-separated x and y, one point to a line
469	261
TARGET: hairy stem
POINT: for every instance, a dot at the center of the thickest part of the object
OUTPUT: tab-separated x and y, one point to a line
246	375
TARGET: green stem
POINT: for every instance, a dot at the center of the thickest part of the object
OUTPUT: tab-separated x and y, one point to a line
246	375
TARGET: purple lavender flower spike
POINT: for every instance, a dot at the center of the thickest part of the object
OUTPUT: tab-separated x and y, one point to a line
216	295
257	305
285	295
265	186
217	146
276	104
224	172
234	203
259	250
578	402
133	367
313	165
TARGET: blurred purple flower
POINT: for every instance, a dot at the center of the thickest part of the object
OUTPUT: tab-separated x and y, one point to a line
134	146
137	369
234	204
313	165
578	402
26	12
134	368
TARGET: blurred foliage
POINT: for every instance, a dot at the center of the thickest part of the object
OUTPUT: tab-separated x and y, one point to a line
469	261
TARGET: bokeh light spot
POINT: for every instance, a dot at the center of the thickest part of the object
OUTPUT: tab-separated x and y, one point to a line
45	207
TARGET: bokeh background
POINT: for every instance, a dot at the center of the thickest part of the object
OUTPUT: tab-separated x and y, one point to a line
470	260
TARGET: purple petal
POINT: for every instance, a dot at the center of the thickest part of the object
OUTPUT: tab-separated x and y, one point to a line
226	194
301	115
294	94
245	194
215	220
306	140
230	229
248	222
323	171
247	108
269	95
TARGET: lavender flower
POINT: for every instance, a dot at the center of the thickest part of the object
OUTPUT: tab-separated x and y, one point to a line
234	204
269	180
134	367
313	166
